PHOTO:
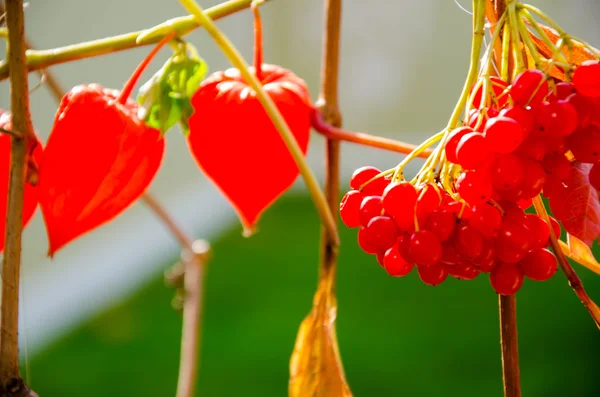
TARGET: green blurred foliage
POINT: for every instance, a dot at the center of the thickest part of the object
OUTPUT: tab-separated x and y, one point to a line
397	336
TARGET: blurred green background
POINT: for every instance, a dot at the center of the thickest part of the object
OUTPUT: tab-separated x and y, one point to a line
397	336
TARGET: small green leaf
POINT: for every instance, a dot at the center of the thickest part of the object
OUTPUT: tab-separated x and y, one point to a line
165	98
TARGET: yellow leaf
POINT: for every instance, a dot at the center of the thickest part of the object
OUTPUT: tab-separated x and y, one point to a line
580	252
316	368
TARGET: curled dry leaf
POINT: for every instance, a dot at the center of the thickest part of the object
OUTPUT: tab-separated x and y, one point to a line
316	367
579	252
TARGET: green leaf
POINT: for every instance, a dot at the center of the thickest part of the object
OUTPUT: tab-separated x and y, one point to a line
165	97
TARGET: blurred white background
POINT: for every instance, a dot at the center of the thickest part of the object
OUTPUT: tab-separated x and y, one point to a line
402	63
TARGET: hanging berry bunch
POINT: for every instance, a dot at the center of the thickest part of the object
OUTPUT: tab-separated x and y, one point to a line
530	127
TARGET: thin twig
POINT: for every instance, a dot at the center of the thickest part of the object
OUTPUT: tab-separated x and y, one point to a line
510	345
41	59
11	383
11	132
360	138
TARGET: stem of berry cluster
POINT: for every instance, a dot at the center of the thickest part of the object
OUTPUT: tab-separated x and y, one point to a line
11	383
236	59
40	59
338	134
509	339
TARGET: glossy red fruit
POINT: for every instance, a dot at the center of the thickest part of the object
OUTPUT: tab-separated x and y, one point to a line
516	235
594	176
463	271
364	175
472	150
87	179
507	172
441	223
486	219
529	88
425	248
586	79
363	241
539	230
474	187
555	227
370	207
506	278
512	212
562	91
453	140
395	264
382	232
486	261
539	264
503	134
557	166
399	199
350	208
533	148
432	275
469	242
584	107
558	118
533	179
31	192
556	145
450	255
497	87
522	116
380	257
585	144
477	118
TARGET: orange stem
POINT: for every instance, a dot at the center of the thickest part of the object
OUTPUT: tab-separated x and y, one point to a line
258	42
335	133
132	81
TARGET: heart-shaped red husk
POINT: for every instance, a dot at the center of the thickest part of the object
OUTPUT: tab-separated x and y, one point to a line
100	158
237	146
31	192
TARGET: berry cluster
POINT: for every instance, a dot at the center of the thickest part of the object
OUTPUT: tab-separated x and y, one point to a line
424	226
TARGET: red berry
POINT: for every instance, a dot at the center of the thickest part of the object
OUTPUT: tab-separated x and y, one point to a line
533	148
539	264
553	186
533	180
399	198
555	227
538	229
472	150
594	176
557	166
557	118
508	253
453	140
463	271
350	207
474	187
503	134
485	114
586	79
585	144
469	242
512	212
525	203
486	261
450	255
516	235
441	223
521	115
556	145
395	264
363	241
562	91
429	199
507	172
529	88
382	232
584	107
369	209
425	248
486	219
497	87
432	275
506	278
365	174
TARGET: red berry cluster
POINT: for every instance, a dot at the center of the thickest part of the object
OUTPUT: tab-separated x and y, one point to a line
406	226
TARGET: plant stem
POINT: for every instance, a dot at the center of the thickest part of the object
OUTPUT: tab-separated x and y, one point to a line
181	26
510	345
574	280
327	218
11	383
258	42
337	134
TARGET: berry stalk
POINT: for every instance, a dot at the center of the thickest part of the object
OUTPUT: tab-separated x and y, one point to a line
266	101
258	42
511	376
